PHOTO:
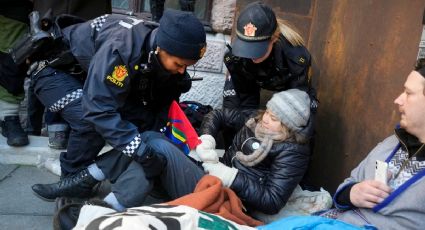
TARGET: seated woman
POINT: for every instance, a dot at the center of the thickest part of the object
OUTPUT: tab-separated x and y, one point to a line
265	163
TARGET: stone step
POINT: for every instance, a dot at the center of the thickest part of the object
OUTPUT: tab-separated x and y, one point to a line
37	153
32	154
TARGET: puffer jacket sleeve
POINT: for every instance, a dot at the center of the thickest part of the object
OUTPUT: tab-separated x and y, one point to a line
270	192
217	119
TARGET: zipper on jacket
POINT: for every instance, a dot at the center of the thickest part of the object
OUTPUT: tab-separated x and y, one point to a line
404	164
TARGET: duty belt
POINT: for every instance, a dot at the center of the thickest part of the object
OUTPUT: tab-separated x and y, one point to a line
38	66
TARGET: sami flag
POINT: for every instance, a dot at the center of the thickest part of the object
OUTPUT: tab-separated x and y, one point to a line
180	130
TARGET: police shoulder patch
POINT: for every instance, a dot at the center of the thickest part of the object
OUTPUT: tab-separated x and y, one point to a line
118	75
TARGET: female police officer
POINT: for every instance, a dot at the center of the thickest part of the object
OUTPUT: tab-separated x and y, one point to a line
134	71
265	54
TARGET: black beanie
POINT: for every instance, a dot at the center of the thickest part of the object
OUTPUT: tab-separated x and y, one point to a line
181	34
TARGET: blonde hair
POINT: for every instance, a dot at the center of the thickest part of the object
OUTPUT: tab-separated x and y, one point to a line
289	32
294	38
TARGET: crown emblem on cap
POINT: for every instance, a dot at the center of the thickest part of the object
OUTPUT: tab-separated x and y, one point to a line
249	30
202	51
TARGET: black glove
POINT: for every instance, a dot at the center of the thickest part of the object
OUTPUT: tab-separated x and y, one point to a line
152	162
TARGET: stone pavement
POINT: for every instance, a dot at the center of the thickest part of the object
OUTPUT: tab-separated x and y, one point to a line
20	168
19	207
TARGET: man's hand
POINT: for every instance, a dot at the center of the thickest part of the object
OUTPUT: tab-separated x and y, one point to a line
369	193
152	161
144	153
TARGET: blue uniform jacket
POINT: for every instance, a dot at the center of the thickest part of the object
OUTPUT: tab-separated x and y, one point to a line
126	91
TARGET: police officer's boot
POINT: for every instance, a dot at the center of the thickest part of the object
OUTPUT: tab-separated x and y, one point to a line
11	129
78	185
58	136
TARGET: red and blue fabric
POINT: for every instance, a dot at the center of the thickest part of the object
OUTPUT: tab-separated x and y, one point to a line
179	129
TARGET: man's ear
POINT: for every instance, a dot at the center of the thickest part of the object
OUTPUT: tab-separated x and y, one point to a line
158	49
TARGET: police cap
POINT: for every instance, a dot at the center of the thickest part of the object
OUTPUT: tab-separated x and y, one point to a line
255	26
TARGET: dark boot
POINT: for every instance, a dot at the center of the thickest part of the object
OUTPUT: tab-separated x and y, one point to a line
11	129
68	210
58	136
78	185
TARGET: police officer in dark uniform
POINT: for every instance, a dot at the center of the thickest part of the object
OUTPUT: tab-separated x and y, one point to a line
265	54
14	26
134	71
157	7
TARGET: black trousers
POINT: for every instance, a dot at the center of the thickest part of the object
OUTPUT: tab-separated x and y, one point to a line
84	142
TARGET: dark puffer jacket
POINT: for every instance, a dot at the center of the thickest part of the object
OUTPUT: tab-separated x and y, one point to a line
267	186
218	119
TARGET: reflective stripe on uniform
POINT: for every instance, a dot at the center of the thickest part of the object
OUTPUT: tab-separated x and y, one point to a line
61	103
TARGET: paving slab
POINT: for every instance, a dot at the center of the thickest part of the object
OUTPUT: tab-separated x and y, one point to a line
20	222
20	208
6	170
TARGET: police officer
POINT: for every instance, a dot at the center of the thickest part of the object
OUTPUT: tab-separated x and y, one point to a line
265	54
134	72
157	7
14	21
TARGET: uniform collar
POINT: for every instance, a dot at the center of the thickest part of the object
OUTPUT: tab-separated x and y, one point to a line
152	40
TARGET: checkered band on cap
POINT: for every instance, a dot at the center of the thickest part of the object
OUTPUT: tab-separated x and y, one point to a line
97	23
132	147
61	103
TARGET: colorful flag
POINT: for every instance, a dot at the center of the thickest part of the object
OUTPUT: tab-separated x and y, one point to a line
180	130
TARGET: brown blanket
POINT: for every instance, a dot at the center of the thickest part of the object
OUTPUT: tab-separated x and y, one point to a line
210	196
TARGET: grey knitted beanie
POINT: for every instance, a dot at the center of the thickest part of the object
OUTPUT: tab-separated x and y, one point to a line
292	107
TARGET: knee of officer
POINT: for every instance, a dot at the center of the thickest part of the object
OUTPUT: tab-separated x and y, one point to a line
149	135
132	187
162	146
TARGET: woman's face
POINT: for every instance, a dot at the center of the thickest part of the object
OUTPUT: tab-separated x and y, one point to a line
173	64
271	122
269	50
